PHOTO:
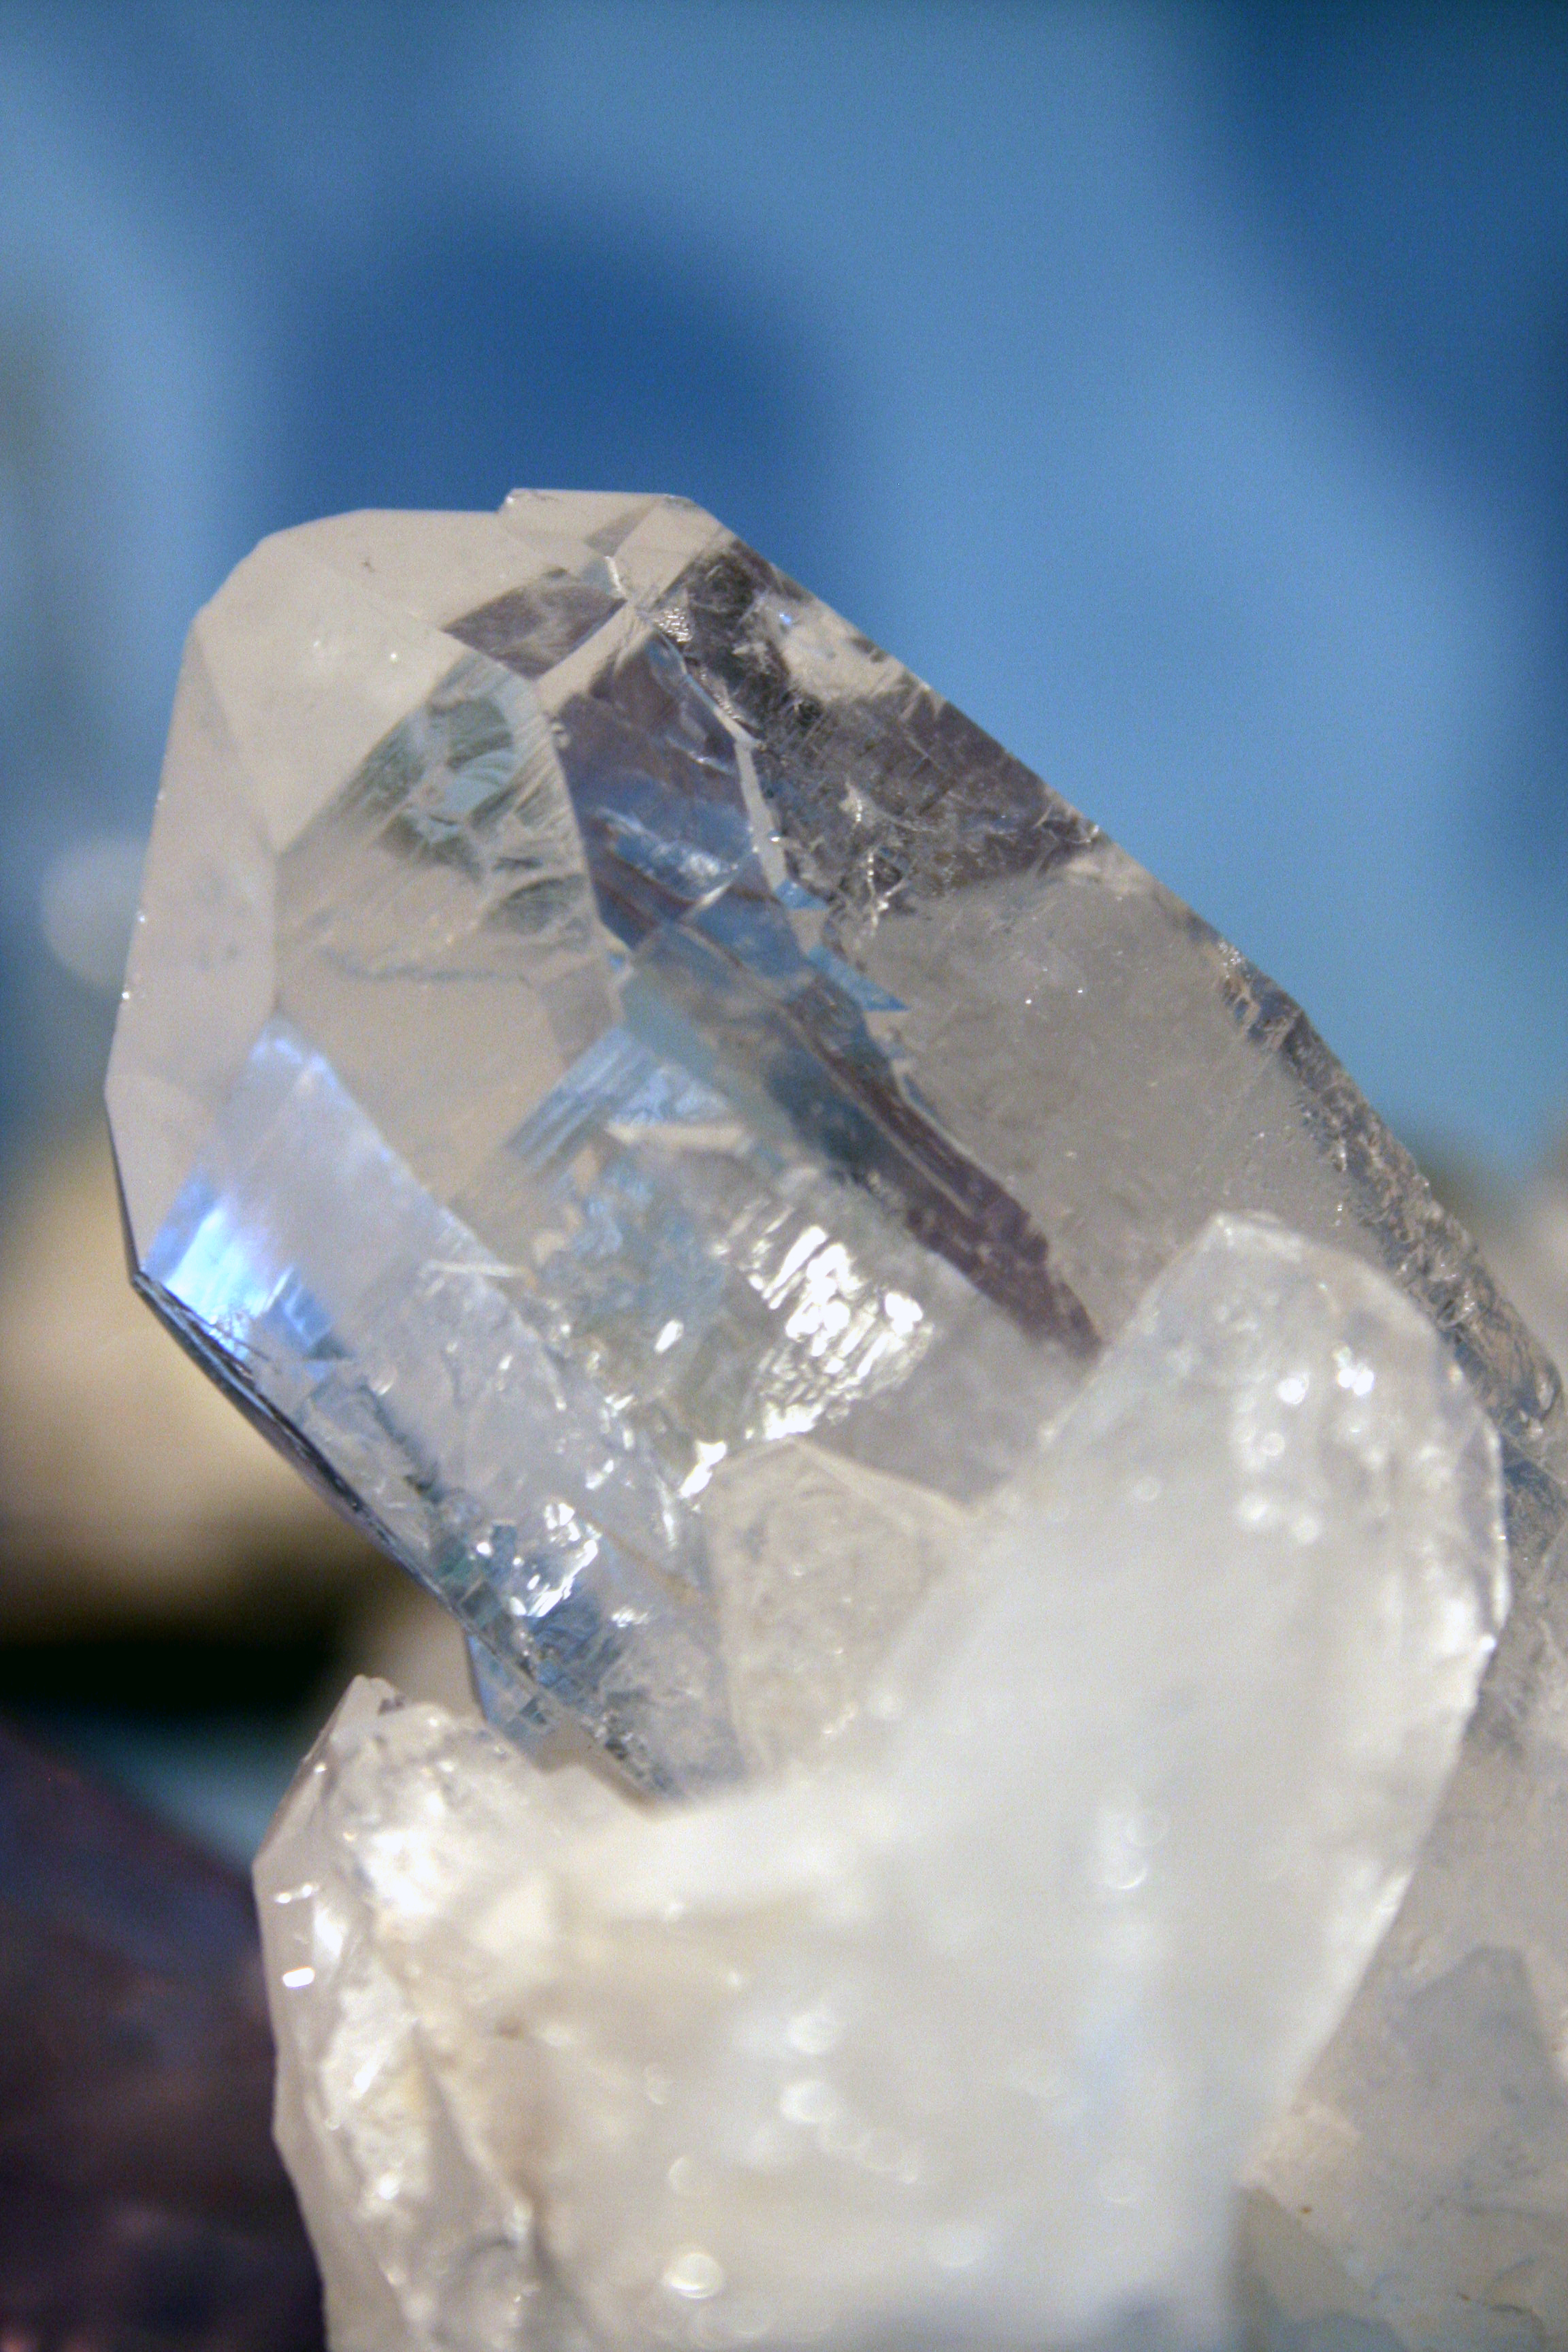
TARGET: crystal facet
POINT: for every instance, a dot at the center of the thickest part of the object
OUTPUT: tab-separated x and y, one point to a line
961	2037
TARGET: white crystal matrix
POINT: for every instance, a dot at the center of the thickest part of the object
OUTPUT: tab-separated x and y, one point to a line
963	2032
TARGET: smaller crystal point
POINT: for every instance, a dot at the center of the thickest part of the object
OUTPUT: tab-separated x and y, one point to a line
963	2034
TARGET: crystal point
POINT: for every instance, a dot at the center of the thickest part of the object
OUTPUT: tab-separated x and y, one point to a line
608	1056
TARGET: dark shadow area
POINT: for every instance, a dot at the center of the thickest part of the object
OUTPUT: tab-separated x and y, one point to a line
143	2205
182	1675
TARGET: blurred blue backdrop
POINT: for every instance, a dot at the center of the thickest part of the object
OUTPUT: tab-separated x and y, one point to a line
1184	393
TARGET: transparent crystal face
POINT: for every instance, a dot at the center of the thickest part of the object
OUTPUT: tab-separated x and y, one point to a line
658	1112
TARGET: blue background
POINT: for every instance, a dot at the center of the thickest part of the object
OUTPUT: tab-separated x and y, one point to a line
1184	393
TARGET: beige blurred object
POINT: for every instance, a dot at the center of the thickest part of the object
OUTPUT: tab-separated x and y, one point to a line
405	1637
130	1491
1528	1248
1522	1231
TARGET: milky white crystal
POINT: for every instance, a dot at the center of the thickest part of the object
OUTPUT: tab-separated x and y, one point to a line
962	2034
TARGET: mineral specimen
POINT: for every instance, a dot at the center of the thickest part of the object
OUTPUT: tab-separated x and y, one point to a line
961	2037
658	1114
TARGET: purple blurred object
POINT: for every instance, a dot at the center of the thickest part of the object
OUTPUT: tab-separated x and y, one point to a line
142	2206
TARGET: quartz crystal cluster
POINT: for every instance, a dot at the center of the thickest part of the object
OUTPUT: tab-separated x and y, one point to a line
886	1330
964	2035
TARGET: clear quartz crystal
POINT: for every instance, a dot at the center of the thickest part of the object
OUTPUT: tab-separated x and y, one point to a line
609	1058
964	2032
657	1114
